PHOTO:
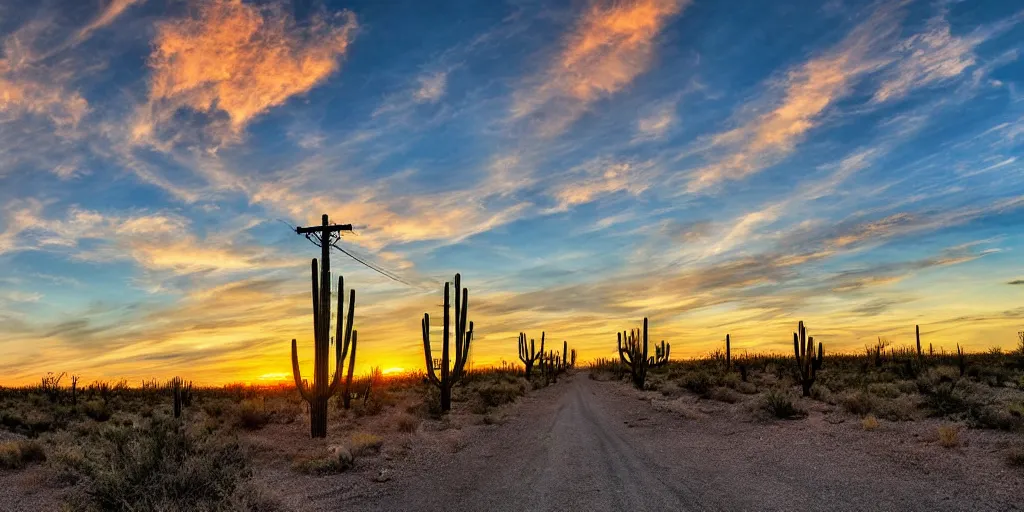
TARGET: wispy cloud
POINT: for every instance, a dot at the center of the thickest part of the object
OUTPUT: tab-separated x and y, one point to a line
110	13
806	92
233	61
610	45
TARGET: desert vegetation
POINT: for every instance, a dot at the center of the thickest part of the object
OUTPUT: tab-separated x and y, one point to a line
954	392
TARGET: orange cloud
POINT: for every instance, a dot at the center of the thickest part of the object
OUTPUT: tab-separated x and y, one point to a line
27	89
611	45
238	60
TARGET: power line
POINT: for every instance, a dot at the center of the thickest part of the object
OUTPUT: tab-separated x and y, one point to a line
318	241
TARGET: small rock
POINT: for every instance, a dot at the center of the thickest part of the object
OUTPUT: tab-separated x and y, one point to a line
383	476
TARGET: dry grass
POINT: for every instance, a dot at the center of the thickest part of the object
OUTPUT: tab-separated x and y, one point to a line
869	422
949	436
362	444
407	423
19	453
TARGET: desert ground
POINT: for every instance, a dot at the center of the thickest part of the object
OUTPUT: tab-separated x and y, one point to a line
696	438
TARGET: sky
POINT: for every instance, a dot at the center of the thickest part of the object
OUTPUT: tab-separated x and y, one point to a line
719	167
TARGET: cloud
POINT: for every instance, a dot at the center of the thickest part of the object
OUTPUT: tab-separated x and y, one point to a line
807	92
155	242
656	124
931	57
28	89
113	10
600	177
234	61
431	88
611	44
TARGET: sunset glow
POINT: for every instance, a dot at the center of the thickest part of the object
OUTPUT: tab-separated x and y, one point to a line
855	165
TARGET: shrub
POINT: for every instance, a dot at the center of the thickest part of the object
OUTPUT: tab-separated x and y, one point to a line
252	414
723	394
364	444
1015	456
884	390
97	410
949	436
501	393
780	404
407	423
18	454
859	403
869	422
699	382
160	466
946	398
337	460
992	416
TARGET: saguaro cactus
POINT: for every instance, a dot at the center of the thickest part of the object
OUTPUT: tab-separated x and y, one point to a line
806	362
322	389
529	357
634	354
451	372
182	393
728	353
74	390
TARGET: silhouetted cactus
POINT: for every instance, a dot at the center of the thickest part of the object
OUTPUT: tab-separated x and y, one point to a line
634	354
568	357
728	353
529	357
917	334
74	390
961	363
320	392
806	362
50	386
450	373
181	391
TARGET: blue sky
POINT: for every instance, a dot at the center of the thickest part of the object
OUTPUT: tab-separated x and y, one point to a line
718	167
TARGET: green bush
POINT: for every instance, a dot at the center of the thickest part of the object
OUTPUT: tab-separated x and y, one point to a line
782	405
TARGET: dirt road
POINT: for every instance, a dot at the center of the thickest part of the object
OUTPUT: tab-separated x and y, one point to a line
600	446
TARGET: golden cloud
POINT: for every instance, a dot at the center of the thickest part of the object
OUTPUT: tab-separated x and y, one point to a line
610	46
239	60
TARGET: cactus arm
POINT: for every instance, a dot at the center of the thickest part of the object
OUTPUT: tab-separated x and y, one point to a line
460	363
522	347
431	373
298	375
351	363
541	353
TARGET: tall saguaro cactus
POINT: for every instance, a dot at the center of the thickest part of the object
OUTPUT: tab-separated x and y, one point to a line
451	371
806	362
321	390
634	354
528	355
